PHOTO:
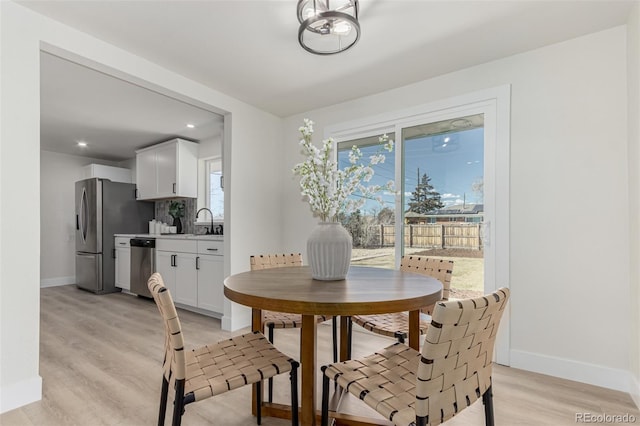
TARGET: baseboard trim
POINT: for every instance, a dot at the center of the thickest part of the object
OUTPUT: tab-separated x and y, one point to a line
610	378
58	281
635	390
22	393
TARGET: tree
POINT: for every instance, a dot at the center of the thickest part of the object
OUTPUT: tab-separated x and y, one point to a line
386	216
354	224
424	199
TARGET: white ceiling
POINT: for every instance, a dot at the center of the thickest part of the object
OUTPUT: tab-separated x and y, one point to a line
249	49
113	117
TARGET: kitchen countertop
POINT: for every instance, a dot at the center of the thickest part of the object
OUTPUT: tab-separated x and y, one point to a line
175	236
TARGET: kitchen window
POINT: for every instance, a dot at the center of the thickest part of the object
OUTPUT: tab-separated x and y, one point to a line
214	187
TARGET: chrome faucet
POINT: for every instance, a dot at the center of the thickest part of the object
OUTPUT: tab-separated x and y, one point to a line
209	230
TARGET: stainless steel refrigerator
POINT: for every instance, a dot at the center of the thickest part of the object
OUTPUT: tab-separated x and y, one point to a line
104	208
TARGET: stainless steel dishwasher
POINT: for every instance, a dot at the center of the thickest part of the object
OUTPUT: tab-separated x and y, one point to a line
143	264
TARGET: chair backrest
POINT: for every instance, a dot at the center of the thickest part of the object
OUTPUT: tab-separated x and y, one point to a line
174	365
437	268
266	261
457	356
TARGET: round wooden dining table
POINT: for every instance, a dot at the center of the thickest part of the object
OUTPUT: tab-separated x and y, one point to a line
365	290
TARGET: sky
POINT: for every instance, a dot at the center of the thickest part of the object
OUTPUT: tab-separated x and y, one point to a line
453	162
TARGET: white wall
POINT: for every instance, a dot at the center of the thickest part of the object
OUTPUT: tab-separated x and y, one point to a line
58	173
254	135
211	147
633	77
569	266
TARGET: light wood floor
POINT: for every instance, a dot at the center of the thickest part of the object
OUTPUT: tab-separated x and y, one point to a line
100	360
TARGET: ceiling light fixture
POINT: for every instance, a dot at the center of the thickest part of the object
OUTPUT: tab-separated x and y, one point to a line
191	126
82	144
328	26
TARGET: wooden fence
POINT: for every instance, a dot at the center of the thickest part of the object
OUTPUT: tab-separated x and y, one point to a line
466	236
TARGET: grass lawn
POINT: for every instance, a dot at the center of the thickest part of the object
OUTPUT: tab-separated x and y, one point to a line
467	275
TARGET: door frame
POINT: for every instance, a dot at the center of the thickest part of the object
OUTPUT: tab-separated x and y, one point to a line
495	104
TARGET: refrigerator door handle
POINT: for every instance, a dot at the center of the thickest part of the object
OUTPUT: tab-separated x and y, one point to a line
83	215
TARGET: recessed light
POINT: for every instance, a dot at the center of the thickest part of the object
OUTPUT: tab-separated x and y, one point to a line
191	126
82	144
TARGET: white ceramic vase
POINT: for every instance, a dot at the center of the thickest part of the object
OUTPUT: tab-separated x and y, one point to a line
329	251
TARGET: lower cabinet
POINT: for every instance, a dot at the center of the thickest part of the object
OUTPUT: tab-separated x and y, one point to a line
192	274
123	263
210	283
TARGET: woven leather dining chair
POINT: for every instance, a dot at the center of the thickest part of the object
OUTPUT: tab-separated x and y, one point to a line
453	370
274	319
216	368
397	324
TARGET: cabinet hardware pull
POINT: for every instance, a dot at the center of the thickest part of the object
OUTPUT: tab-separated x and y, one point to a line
123	244
114	253
135	193
212	249
77	223
174	188
198	262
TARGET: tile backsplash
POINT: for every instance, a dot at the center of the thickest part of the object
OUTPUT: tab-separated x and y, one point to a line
190	209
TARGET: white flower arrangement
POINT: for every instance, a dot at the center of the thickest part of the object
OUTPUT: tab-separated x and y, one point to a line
327	188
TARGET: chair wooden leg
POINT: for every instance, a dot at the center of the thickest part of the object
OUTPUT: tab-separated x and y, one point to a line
325	398
487	400
270	391
259	402
334	325
163	401
293	377
178	403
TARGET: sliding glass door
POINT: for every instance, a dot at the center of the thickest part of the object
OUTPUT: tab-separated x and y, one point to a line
442	197
450	167
441	192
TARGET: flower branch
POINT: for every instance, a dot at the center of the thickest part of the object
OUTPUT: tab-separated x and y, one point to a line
329	189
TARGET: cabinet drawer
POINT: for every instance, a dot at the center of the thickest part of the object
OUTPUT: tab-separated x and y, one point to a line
122	242
211	247
183	246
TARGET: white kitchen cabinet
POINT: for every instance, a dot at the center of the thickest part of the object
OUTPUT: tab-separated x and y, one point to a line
167	170
210	276
123	263
176	262
164	266
146	184
186	278
193	271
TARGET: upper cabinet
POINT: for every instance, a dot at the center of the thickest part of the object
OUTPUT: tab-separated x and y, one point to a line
167	170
